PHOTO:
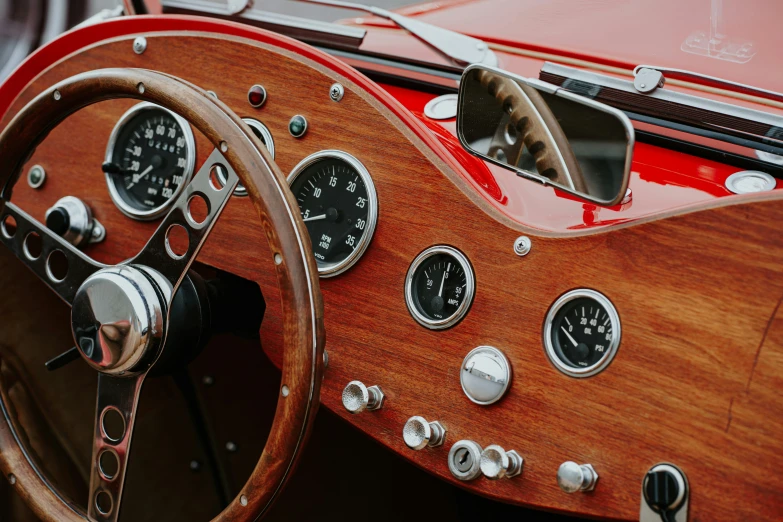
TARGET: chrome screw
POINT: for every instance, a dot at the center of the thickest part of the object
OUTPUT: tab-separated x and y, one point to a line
522	246
36	176
336	92
139	45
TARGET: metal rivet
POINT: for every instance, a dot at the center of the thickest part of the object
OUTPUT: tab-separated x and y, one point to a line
139	45
208	380
230	446
278	259
522	246
285	391
336	92
243	500
223	146
140	87
57	94
12	479
642	86
36	176
195	465
213	94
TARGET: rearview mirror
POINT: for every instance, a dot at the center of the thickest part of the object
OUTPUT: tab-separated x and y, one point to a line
546	134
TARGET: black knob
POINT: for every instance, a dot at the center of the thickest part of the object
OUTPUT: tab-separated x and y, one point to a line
661	490
58	220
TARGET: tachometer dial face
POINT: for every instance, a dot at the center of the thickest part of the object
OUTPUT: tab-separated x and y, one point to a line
339	206
582	333
439	287
152	153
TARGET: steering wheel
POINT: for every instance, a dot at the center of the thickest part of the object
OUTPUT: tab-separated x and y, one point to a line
121	315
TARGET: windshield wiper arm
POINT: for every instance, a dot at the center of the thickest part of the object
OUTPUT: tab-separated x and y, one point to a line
460	48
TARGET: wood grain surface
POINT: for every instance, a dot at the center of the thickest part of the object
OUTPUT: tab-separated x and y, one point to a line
696	381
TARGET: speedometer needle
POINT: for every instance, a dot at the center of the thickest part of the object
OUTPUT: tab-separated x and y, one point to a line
315	218
137	177
569	336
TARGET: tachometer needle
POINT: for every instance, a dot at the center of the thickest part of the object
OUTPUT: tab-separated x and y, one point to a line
314	218
569	336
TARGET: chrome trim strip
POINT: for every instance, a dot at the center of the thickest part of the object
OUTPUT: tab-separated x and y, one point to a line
333	269
190	143
614	318
664	95
470	288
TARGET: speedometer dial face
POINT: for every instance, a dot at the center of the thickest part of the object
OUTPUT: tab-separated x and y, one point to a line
439	287
582	333
339	206
150	158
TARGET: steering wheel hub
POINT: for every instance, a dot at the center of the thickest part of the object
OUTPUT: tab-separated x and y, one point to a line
118	320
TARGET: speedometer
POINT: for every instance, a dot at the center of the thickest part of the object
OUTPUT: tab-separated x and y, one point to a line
339	206
149	160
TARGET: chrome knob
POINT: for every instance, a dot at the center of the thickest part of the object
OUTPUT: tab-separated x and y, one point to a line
71	219
418	433
357	397
573	477
497	463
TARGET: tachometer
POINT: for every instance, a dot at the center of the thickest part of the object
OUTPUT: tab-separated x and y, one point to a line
149	160
582	333
337	199
439	287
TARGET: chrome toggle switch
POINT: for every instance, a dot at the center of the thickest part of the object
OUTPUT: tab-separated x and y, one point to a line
573	477
418	433
357	397
464	459
497	463
72	220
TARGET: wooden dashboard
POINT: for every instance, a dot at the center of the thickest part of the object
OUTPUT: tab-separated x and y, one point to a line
698	375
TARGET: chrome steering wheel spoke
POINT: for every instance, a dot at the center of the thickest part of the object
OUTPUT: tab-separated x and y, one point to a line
115	415
215	191
58	263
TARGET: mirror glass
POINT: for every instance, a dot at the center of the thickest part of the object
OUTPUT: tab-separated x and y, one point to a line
579	145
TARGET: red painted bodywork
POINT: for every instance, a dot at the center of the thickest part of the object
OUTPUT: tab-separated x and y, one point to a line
662	180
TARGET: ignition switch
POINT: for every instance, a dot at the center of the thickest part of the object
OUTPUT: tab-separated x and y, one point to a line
71	219
664	495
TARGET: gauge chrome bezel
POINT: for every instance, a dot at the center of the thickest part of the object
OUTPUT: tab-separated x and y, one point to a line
470	288
241	191
190	163
326	270
552	353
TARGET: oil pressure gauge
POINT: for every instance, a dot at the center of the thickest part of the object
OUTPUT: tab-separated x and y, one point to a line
581	333
439	287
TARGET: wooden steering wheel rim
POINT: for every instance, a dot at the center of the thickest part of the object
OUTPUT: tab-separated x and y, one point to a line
302	307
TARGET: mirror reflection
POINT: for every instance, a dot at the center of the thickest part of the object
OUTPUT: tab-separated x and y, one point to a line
579	145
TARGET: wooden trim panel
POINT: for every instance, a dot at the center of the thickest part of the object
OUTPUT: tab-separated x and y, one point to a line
696	379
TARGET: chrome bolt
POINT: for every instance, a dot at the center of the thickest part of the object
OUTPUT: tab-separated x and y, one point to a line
57	95
36	176
336	92
139	45
232	447
522	246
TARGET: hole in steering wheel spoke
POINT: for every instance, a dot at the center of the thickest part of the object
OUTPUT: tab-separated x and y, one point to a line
8	226
113	425
57	266
103	502
33	246
198	209
109	464
177	241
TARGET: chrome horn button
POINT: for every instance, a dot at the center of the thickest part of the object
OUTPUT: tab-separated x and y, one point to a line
117	320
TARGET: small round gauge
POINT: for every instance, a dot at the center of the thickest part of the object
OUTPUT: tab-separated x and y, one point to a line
582	333
149	160
339	206
439	287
